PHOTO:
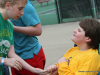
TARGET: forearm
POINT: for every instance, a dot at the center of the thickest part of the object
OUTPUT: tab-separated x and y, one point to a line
24	64
18	63
30	30
0	59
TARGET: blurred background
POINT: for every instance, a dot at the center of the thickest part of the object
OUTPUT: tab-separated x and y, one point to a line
61	11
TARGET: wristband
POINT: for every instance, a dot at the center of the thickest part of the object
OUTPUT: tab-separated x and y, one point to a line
2	61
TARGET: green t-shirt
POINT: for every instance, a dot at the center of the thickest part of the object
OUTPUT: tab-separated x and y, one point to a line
6	38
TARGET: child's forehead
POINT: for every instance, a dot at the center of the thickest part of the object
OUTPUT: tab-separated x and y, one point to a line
20	3
80	28
22	0
25	1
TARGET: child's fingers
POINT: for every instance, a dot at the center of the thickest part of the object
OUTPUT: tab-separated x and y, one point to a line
18	65
15	67
46	72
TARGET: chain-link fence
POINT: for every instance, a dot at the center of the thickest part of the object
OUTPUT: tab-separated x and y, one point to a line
73	10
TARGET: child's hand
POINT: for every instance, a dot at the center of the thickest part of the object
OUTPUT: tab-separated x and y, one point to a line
12	62
40	71
52	70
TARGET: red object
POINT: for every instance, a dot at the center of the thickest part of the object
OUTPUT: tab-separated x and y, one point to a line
42	1
38	61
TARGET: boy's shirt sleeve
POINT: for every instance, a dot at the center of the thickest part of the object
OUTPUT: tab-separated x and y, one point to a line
64	69
11	31
12	42
30	17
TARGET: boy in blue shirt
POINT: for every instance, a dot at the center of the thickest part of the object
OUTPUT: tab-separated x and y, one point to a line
26	44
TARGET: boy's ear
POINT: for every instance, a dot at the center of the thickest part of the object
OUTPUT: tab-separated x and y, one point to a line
88	39
7	5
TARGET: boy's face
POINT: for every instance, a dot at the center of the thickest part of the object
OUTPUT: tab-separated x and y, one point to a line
79	36
16	10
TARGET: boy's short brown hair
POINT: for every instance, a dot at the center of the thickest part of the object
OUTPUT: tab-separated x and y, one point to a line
92	30
12	2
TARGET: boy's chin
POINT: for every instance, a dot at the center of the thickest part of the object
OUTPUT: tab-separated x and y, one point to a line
15	19
72	40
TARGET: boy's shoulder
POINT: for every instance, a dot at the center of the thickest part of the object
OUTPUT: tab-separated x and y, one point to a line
92	54
1	17
9	23
73	49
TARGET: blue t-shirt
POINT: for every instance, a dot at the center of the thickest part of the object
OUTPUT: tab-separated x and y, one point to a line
25	45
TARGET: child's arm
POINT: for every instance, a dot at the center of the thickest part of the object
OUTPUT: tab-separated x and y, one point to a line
87	67
12	62
11	54
53	69
30	30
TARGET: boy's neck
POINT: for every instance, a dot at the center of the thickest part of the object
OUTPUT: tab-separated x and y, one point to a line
83	47
3	13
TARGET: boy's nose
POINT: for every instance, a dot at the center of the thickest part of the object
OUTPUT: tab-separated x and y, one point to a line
22	13
74	31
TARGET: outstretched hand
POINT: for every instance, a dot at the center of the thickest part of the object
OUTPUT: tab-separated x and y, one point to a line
40	71
52	70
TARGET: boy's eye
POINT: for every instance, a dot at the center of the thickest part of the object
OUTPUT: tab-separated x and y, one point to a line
79	30
20	9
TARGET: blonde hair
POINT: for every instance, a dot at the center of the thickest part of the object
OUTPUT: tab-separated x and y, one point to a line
12	2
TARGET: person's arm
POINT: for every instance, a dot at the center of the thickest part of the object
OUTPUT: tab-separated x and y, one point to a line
30	30
87	67
11	54
53	69
64	67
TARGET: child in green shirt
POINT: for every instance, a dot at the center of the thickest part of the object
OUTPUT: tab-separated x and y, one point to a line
11	9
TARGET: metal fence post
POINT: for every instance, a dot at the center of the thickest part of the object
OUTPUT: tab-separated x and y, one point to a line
93	9
57	10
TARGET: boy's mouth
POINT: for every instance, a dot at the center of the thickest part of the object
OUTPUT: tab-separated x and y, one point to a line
18	17
74	35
